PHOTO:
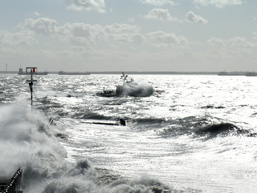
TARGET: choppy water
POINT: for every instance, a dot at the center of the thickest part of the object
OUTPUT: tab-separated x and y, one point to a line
194	134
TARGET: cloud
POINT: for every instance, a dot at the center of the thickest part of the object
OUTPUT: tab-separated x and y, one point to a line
236	47
138	38
160	14
123	33
84	30
131	20
158	2
86	34
160	38
18	38
241	42
193	18
219	3
36	13
41	25
121	28
87	5
81	33
216	42
254	35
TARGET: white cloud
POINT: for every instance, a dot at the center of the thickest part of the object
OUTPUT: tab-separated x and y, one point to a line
41	25
123	33
84	30
160	14
138	38
233	43
121	28
131	20
36	13
87	5
160	38
18	38
232	49
193	18
158	2
254	36
86	34
219	3
242	47
81	33
216	42
241	42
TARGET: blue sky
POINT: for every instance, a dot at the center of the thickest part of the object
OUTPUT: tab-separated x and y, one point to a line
133	35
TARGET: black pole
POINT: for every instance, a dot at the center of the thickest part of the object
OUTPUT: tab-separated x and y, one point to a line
31	89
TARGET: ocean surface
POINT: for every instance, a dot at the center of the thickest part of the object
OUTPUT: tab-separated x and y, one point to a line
194	133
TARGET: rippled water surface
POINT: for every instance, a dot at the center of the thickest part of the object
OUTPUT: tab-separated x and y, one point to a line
196	133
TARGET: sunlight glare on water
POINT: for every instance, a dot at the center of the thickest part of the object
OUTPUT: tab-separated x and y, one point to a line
195	133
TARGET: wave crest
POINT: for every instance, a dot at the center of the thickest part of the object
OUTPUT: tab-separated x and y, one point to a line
135	89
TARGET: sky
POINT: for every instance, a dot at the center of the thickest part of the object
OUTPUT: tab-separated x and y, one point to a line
129	35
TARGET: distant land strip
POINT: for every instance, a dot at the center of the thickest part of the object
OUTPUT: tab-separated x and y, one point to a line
234	73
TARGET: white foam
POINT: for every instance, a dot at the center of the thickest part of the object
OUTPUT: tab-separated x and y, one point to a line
136	89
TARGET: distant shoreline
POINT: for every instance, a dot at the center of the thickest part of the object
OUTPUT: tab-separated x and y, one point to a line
234	73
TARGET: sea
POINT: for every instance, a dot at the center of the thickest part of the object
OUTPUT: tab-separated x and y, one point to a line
189	133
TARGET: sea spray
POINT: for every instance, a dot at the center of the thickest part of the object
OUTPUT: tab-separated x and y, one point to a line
136	89
29	143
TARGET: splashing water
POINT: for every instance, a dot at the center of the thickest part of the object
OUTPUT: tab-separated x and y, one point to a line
27	142
195	134
135	89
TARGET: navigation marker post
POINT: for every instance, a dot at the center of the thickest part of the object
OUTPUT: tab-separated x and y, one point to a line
32	70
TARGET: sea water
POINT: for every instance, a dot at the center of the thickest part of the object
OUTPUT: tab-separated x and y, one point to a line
195	133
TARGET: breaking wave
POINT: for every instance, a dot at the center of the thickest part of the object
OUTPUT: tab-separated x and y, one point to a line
135	89
202	127
27	142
